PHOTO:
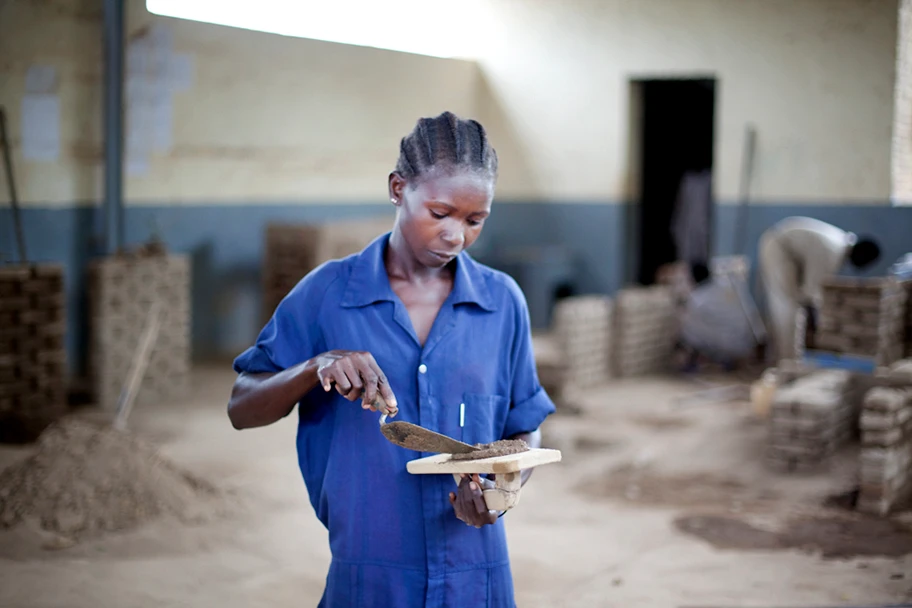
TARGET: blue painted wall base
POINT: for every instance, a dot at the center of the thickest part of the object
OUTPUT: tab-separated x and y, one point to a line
226	244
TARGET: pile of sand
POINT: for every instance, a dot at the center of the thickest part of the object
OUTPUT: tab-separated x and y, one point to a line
86	479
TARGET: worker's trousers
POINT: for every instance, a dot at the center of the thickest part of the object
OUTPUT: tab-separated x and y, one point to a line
781	284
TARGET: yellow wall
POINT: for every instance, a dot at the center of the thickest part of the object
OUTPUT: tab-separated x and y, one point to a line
814	76
64	34
274	119
271	118
902	116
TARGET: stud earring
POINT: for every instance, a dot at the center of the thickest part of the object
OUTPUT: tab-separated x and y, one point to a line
394	201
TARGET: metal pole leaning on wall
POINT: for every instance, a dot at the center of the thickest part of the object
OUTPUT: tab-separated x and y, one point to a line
113	124
11	184
747	174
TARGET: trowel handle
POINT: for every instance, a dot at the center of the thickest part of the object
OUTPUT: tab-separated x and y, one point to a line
384	409
381	405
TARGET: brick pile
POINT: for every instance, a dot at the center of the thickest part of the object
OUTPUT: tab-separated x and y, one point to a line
32	350
908	352
864	317
121	290
581	333
810	418
644	330
886	453
293	250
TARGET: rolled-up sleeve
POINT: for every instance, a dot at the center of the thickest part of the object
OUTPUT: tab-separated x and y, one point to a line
530	403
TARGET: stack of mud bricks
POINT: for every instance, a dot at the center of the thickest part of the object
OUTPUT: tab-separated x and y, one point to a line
864	317
32	350
810	418
121	291
886	442
582	336
294	250
908	352
644	330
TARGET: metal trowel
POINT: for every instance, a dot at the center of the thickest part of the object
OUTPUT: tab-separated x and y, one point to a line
414	437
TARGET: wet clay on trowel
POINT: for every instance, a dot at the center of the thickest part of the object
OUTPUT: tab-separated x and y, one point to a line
503	447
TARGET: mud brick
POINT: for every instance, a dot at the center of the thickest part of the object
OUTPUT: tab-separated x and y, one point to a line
15	273
806	452
32	317
45	271
14	333
874	506
867	303
885	438
37	286
865	331
10	289
13	389
901	371
829	324
790	464
879	420
882	491
803	438
14	304
816	424
48	300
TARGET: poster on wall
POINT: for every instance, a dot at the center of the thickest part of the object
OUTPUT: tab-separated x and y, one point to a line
40	127
154	74
40	115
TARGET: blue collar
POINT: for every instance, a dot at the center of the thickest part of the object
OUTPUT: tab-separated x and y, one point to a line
369	283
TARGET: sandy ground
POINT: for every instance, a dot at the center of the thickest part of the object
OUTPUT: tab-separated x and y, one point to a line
603	528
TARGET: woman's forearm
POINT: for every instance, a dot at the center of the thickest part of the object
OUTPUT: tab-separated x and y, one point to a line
262	399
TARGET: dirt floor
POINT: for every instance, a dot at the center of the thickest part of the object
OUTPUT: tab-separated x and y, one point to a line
655	504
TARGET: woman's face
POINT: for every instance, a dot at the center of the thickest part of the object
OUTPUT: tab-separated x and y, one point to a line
442	213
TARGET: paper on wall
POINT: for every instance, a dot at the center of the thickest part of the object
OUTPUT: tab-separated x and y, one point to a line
154	74
40	127
180	72
41	79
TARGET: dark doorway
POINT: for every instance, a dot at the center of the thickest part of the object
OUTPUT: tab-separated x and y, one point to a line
676	130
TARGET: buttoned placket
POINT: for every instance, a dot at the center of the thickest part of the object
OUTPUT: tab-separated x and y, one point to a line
432	490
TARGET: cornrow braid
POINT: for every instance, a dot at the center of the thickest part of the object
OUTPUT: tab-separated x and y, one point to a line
446	141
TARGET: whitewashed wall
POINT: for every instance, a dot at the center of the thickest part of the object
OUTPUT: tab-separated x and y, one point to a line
271	119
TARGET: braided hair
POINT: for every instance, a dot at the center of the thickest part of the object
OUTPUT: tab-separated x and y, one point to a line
446	141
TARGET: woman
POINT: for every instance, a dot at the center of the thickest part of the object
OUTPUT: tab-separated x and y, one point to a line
445	341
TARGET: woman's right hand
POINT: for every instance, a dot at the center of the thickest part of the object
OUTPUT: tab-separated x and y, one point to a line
356	375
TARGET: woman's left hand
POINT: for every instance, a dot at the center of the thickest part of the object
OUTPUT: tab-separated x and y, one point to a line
469	503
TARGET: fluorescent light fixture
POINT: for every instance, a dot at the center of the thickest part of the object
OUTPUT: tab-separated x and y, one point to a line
437	28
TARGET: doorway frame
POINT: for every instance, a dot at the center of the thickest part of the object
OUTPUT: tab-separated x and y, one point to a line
633	203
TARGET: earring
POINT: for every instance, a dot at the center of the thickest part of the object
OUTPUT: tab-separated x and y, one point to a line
394	201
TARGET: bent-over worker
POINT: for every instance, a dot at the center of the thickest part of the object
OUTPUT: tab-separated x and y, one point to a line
796	255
